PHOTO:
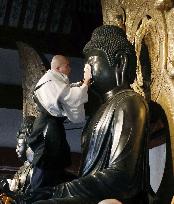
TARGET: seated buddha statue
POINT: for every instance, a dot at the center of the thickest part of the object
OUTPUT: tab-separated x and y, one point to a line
114	140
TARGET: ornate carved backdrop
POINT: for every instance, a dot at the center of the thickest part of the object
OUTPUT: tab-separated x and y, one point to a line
149	25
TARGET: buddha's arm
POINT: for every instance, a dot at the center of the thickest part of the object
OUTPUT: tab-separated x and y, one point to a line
123	176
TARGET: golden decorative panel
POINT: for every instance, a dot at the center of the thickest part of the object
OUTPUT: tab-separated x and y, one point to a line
149	23
33	70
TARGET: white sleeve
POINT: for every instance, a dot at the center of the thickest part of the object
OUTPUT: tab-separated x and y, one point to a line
75	96
72	100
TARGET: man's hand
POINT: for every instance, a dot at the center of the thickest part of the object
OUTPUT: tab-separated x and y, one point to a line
87	74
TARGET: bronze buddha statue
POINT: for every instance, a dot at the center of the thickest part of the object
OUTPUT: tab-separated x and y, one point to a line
114	141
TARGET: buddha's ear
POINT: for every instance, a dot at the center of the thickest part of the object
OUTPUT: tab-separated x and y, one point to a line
120	66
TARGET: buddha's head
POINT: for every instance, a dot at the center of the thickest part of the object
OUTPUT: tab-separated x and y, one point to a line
22	149
112	58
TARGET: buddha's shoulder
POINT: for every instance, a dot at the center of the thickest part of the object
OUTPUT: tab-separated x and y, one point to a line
128	98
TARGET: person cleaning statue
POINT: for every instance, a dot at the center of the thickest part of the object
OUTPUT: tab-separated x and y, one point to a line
56	100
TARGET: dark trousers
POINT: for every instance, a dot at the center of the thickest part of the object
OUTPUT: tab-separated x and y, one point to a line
51	151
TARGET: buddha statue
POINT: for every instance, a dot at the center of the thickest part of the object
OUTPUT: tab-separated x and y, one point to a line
21	180
20	183
114	141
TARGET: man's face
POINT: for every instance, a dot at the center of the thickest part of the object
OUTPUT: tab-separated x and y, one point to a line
65	67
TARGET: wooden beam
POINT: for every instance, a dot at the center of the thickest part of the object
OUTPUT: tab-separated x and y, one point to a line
50	15
71	44
22	14
37	14
7	13
11	96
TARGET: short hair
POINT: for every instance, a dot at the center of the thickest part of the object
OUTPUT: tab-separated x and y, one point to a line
111	39
57	61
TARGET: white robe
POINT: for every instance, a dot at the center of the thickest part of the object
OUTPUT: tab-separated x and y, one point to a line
60	99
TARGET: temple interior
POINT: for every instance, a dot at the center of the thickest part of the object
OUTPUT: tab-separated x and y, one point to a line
51	27
64	27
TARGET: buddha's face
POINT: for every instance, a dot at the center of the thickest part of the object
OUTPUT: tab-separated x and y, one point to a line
21	149
103	75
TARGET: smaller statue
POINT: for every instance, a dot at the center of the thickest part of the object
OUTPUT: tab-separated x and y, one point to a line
20	183
21	180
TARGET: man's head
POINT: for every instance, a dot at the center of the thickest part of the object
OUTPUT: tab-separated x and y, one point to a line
60	64
112	58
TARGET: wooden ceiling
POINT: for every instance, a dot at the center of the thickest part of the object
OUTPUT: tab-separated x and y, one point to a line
51	26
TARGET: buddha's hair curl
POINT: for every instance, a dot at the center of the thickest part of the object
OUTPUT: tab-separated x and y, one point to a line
111	39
